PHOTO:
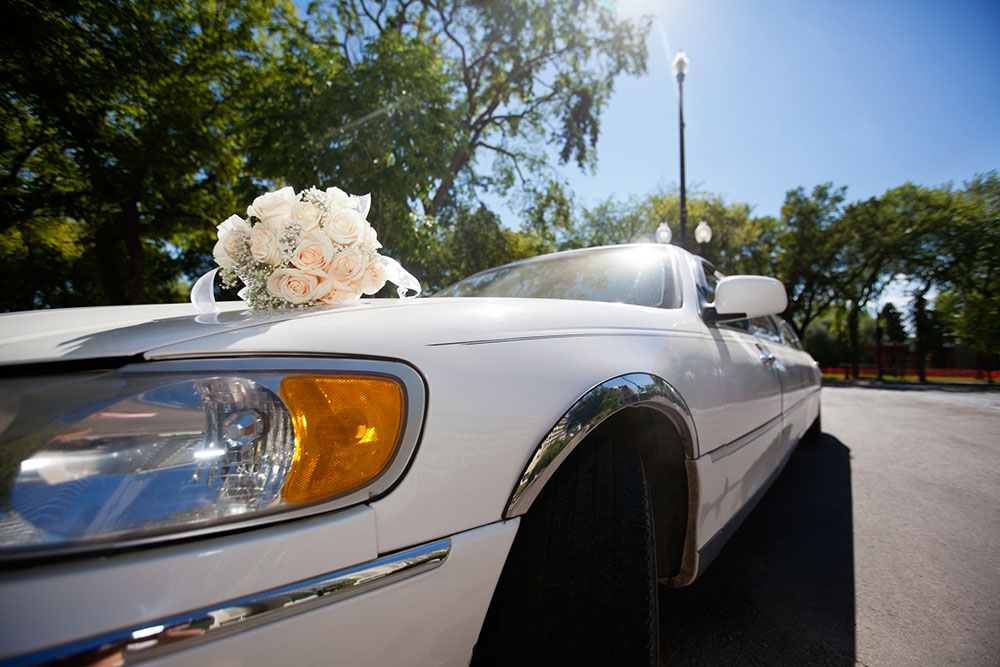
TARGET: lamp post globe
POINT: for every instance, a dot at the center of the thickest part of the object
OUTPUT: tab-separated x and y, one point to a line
663	233
703	233
681	66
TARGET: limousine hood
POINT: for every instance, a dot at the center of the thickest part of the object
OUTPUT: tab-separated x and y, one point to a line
376	327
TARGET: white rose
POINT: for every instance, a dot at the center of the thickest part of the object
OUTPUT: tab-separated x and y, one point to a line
347	227
274	208
264	244
337	199
347	267
299	286
314	251
371	240
234	237
232	224
337	295
307	215
229	246
373	278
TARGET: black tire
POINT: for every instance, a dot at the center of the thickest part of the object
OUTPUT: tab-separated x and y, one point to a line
579	586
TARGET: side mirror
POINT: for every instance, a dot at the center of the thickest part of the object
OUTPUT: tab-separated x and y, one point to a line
743	297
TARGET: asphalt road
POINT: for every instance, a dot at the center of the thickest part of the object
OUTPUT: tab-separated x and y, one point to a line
878	545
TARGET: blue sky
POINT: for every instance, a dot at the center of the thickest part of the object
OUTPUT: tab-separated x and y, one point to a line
781	94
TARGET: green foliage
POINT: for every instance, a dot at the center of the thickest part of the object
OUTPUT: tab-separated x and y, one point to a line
468	241
407	99
611	222
359	105
740	244
971	303
808	243
549	218
828	337
125	120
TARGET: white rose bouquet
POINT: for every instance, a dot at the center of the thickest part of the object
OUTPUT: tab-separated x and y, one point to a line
305	249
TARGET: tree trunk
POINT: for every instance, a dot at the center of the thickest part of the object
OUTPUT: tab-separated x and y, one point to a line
135	288
852	337
878	344
458	162
920	329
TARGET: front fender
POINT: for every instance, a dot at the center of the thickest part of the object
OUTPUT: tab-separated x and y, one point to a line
590	411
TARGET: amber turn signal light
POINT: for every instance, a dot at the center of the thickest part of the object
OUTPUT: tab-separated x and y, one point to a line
347	429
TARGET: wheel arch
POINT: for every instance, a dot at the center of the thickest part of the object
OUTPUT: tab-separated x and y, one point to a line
646	414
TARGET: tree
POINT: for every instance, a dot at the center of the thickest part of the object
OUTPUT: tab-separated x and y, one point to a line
928	250
822	341
523	64
409	98
466	241
872	243
740	244
363	104
549	220
611	222
971	299
889	322
125	120
928	329
893	322
808	244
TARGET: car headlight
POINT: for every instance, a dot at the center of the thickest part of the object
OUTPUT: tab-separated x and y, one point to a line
164	449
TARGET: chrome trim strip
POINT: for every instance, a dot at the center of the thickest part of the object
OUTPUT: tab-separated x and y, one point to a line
151	640
801	402
744	440
601	402
630	333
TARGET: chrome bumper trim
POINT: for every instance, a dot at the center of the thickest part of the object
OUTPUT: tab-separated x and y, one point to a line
151	640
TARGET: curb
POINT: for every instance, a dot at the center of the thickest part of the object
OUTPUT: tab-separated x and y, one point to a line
913	386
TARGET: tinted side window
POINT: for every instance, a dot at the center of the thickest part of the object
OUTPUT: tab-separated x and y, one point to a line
742	325
788	333
708	278
765	328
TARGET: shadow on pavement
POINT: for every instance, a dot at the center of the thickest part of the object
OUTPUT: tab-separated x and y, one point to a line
782	591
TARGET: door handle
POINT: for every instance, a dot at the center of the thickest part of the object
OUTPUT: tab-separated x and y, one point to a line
766	357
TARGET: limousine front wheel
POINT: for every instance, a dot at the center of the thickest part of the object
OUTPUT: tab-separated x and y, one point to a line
579	586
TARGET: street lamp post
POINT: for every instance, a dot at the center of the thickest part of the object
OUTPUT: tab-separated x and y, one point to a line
681	65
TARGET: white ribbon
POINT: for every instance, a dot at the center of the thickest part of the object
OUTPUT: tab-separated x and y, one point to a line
364	203
203	293
401	277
